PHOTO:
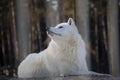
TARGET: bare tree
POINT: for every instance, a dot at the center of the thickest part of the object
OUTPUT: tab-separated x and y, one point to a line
82	18
113	36
52	16
23	27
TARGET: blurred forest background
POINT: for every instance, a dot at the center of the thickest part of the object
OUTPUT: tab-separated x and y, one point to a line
23	23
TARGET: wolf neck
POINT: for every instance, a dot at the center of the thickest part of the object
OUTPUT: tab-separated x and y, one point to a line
71	52
74	47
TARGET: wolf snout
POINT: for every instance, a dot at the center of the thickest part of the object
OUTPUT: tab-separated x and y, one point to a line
47	28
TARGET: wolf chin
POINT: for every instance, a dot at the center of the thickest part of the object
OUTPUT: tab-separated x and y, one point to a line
65	54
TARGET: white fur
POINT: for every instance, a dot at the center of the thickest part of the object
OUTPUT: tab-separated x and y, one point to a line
65	55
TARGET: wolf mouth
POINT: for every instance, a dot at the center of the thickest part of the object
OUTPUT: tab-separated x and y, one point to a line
53	33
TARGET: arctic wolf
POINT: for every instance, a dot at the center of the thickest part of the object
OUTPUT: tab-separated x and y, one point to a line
65	54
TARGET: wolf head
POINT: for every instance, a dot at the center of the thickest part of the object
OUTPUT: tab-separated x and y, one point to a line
63	31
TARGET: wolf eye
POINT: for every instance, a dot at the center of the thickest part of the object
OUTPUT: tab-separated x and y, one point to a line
60	27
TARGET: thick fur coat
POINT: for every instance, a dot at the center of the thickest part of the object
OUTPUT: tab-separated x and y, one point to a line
65	54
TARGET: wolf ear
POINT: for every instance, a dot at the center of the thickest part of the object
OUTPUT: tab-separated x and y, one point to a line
70	21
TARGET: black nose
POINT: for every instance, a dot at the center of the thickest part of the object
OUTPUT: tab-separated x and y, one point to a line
47	28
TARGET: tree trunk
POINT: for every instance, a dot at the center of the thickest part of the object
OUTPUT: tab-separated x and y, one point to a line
23	27
52	13
113	36
82	19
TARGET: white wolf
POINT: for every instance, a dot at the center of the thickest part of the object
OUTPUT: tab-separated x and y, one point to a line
65	55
